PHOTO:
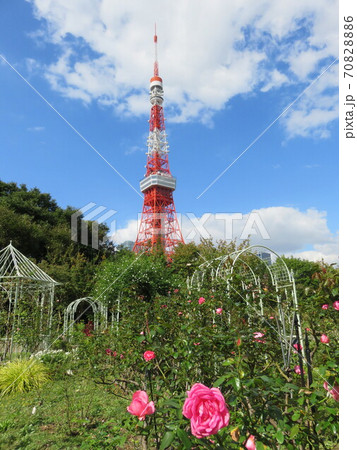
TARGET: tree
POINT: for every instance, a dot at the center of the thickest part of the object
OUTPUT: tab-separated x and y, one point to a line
41	230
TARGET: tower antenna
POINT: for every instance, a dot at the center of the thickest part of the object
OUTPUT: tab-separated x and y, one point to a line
156	63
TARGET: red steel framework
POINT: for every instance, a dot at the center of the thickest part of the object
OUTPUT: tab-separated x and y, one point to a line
159	227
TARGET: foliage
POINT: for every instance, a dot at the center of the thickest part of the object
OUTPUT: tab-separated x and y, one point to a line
193	343
22	375
38	215
212	341
132	277
71	412
41	230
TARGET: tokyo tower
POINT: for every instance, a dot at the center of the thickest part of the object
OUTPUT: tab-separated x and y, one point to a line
159	226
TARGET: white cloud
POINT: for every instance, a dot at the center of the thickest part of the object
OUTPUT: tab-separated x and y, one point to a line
127	233
276	79
134	149
316	109
314	255
285	230
208	52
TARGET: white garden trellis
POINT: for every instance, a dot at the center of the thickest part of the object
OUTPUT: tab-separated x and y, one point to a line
22	282
259	270
100	314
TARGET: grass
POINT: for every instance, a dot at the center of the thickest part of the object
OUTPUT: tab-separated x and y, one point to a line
22	375
64	414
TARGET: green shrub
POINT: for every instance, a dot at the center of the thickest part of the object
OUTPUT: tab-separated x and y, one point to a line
22	376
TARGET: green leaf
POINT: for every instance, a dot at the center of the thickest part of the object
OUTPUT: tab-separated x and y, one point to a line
206	444
220	380
313	398
265	378
288	387
184	439
228	362
296	416
172	403
169	436
294	431
235	382
259	445
280	436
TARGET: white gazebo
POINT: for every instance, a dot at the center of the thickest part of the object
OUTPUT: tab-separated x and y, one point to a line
26	302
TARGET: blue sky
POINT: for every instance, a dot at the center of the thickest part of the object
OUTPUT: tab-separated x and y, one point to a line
228	74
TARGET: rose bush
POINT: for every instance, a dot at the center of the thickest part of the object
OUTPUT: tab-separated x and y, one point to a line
237	352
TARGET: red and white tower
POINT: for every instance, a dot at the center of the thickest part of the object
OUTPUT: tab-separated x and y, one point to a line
159	226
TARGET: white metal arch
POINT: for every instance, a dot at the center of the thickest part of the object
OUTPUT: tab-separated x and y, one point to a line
288	319
100	313
199	274
220	272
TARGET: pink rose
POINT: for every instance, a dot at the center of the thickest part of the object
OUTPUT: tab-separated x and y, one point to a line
297	370
297	347
250	443
324	339
148	355
176	291
324	306
219	311
108	351
258	334
196	343
336	305
180	313
140	405
271	317
114	354
239	342
207	410
201	300
121	356
335	392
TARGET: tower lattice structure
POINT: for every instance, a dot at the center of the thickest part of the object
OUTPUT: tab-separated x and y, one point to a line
159	227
